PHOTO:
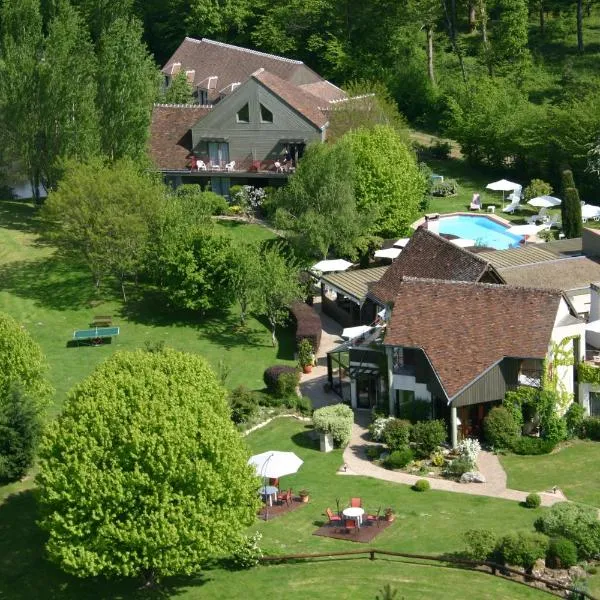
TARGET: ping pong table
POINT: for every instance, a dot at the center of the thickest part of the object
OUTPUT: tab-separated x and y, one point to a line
94	336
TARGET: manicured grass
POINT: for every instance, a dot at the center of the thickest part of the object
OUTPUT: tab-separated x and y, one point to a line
245	232
52	297
429	523
573	468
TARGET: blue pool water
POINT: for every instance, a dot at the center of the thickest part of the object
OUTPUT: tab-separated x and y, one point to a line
484	231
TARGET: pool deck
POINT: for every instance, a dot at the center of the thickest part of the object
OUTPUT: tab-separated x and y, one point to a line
491	216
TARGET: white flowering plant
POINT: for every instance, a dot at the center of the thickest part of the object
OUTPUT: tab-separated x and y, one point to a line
249	199
469	449
377	427
248	553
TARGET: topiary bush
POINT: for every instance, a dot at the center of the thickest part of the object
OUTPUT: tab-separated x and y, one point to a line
281	380
337	420
574	418
398	459
532	446
500	428
396	434
422	485
561	554
591	428
308	324
575	522
522	549
533	501
427	436
481	544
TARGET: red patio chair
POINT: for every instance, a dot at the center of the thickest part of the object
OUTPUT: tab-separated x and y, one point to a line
333	518
351	524
355	502
374	518
274	481
285	497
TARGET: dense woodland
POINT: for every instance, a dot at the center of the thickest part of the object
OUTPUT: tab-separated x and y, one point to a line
516	83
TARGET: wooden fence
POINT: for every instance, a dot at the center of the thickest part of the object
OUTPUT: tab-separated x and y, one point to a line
495	568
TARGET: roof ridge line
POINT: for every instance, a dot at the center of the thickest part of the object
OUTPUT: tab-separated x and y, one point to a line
242	49
175	105
501	286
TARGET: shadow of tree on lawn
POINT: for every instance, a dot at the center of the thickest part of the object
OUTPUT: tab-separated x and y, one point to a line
19	215
26	574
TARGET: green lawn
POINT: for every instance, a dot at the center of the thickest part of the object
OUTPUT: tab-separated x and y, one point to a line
431	523
574	469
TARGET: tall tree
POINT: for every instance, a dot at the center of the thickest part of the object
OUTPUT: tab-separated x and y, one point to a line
180	90
67	75
21	43
510	52
100	14
572	222
144	473
128	85
245	278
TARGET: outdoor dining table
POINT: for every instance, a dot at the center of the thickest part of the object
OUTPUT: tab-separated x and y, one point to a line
269	491
354	512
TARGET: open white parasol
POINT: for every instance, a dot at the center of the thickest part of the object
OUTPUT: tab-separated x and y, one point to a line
274	464
545	201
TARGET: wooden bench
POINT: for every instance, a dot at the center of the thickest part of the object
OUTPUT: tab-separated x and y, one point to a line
101	321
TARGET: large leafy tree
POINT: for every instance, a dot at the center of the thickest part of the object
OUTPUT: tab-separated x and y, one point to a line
144	473
105	215
509	49
245	270
318	207
128	84
388	185
100	14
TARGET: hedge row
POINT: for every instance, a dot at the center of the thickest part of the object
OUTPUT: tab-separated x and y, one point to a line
308	324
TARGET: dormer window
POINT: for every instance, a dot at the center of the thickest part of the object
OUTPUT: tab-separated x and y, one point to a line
243	115
266	116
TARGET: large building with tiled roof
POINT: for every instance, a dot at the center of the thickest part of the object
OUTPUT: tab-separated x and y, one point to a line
256	114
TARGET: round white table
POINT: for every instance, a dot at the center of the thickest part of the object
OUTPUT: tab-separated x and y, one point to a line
354	512
269	491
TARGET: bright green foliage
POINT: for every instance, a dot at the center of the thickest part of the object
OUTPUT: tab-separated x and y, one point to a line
509	47
68	117
396	434
20	427
22	363
99	14
591	428
532	446
244	280
422	485
388	185
104	215
144	473
533	501
575	522
427	436
562	553
522	549
572	223
537	187
398	459
337	420
574	418
588	373
500	428
318	207
179	91
481	544
243	404
128	84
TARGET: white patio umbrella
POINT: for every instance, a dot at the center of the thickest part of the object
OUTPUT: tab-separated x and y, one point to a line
589	211
274	464
545	201
329	266
502	185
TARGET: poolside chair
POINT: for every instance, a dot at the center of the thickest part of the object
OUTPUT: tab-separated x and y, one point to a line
230	166
201	165
512	207
515	196
475	202
541	216
285	497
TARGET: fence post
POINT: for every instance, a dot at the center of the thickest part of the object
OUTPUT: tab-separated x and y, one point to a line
372	554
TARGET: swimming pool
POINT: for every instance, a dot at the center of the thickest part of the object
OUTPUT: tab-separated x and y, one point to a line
485	231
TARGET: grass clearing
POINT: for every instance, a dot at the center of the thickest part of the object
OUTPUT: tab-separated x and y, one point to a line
573	468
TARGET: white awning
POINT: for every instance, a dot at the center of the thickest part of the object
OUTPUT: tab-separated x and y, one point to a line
388	253
350	333
329	266
401	242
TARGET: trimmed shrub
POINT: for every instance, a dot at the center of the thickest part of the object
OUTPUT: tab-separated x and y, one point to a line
574	417
458	466
532	446
308	324
398	459
591	428
523	548
337	420
396	434
421	486
500	428
533	501
243	403
303	405
427	436
446	188
555	429
481	544
281	380
377	427
415	410
577	523
562	553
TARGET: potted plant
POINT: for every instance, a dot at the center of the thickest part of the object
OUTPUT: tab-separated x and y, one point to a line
303	495
305	355
389	514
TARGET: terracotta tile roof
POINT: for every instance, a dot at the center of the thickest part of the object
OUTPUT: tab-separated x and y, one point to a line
233	64
304	103
428	255
324	90
170	135
562	273
465	328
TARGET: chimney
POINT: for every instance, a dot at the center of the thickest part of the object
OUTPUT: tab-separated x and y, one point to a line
594	302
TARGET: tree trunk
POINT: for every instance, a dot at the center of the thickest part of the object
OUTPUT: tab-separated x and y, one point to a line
542	18
123	288
243	309
483	19
455	46
580	26
430	54
453	18
472	17
273	338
